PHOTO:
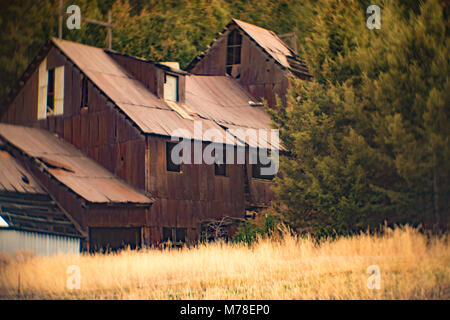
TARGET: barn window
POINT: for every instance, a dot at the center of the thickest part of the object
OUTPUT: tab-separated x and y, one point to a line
167	234
173	161
51	91
262	162
55	91
233	49
220	168
84	92
174	235
170	87
180	234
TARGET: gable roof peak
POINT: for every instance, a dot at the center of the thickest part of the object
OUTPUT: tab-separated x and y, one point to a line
270	43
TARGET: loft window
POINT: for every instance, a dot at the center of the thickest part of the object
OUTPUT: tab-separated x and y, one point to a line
51	91
170	160
260	164
170	87
220	168
84	92
233	49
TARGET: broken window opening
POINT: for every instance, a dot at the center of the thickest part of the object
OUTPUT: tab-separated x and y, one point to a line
84	92
220	167
170	160
233	50
51	91
256	168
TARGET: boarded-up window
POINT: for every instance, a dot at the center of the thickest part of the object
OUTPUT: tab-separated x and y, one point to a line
233	49
170	87
42	93
173	160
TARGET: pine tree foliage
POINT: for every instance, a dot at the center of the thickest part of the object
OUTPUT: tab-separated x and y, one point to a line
368	138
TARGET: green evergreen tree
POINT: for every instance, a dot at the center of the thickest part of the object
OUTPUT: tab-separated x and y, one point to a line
367	138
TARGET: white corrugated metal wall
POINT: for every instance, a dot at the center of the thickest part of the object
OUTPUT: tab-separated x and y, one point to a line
40	243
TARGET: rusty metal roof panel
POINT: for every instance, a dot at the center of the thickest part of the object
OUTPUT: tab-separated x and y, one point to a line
275	47
71	167
14	178
108	75
122	89
90	58
268	40
170	123
255	138
221	99
36	142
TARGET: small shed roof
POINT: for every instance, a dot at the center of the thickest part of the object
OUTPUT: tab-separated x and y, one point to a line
71	167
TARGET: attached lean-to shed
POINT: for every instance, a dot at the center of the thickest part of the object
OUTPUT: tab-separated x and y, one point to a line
29	218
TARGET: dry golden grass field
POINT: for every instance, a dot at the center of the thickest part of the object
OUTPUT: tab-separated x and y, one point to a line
411	267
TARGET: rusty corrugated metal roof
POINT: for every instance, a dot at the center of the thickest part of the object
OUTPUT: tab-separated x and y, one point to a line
109	76
146	110
216	101
275	47
71	167
222	99
14	178
270	43
268	40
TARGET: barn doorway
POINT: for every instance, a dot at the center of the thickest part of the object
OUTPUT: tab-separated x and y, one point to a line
111	239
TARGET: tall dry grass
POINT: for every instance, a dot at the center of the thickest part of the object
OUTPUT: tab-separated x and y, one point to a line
412	267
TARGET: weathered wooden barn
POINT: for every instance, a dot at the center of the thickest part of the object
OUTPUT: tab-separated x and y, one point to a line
94	128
